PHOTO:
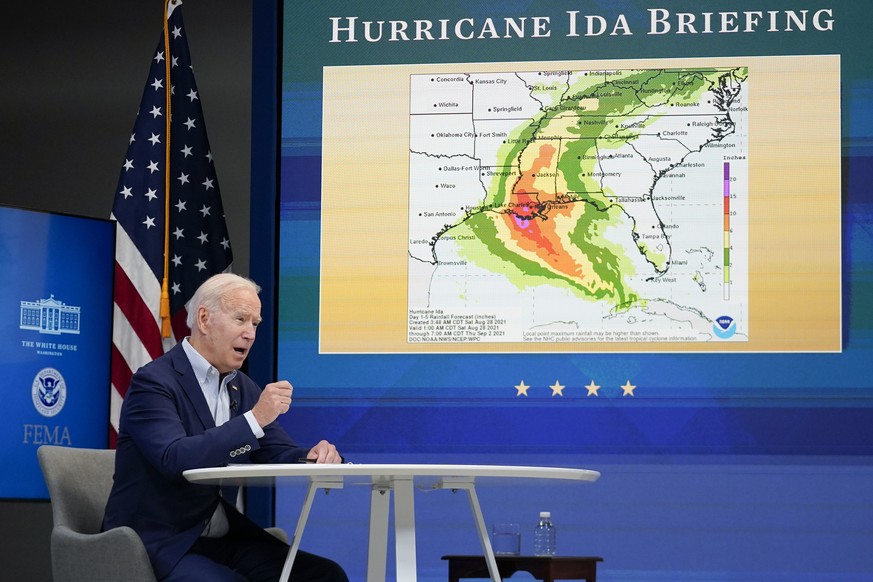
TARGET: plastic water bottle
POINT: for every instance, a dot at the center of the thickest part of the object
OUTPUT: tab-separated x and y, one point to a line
544	536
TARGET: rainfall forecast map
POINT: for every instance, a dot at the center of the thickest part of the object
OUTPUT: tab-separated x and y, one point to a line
579	206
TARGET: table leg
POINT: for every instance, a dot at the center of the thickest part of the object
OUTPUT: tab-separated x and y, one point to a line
469	486
378	546
404	530
298	531
487	550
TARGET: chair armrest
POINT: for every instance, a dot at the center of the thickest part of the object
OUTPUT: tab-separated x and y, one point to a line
114	555
278	532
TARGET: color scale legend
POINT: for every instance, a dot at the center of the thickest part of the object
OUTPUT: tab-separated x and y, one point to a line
727	231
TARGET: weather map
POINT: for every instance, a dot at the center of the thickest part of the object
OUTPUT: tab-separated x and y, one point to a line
579	206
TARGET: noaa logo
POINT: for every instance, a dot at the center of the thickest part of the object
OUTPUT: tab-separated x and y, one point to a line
49	392
724	327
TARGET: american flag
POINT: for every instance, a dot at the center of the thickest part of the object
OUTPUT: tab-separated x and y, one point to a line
197	238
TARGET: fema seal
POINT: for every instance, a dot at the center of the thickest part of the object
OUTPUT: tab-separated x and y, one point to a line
49	392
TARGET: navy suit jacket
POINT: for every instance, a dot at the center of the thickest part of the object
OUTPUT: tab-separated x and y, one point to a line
166	428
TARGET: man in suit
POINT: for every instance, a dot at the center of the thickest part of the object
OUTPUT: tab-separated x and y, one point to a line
191	408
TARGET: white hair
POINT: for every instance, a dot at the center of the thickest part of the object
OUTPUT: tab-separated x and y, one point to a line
211	292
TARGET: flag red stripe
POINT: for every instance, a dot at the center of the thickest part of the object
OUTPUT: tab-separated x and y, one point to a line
180	324
121	373
137	313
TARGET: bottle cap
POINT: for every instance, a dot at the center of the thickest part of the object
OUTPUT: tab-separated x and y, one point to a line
546	514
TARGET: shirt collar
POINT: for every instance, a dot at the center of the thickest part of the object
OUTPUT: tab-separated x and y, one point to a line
201	366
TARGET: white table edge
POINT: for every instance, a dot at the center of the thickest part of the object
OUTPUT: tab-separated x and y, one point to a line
212	475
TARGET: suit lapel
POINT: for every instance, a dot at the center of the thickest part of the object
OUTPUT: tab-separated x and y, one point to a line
190	386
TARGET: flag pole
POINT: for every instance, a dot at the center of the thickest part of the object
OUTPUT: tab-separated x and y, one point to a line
165	286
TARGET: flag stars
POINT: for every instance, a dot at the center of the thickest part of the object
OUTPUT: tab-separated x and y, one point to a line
201	265
155	112
177	32
203	238
176	289
183	178
225	244
149	222
157	84
181	205
628	389
205	211
186	151
159	57
151	194
177	260
192	95
190	124
521	389
153	167
209	157
208	184
155	139
126	192
179	233
128	165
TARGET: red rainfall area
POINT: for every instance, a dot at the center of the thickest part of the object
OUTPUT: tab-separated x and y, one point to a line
530	231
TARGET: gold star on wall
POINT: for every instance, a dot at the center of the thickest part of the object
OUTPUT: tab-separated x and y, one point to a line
522	389
557	389
628	389
592	389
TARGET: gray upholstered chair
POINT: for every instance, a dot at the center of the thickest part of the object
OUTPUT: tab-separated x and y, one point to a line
78	482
